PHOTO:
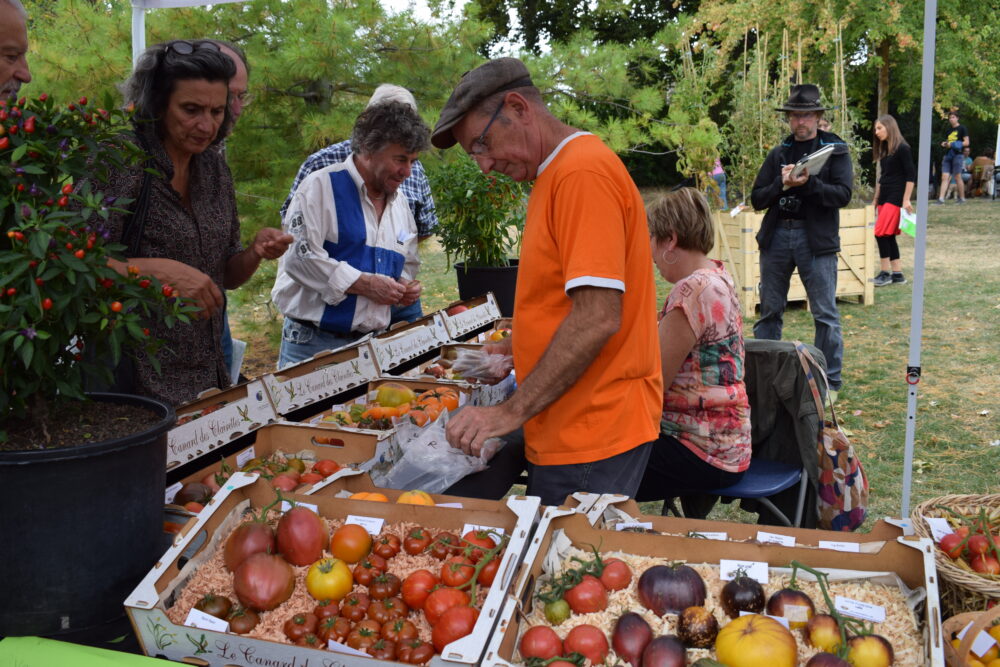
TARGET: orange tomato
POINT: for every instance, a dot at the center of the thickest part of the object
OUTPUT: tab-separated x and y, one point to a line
418	416
350	543
449	401
370	495
415	497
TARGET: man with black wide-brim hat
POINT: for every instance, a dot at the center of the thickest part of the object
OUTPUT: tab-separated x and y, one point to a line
584	341
801	229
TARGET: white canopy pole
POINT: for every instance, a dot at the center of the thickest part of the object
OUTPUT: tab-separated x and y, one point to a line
139	8
920	249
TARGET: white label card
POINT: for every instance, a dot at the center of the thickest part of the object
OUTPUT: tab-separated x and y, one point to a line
858	609
779	619
765	537
243	457
754	570
370	523
982	643
285	506
337	647
852	547
472	526
709	535
629	525
939	527
171	492
199	619
455	505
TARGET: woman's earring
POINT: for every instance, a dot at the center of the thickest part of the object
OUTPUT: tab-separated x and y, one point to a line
669	262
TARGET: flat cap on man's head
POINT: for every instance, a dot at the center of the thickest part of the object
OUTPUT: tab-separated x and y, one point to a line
476	85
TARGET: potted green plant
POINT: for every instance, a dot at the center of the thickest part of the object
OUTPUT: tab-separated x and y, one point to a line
481	219
81	476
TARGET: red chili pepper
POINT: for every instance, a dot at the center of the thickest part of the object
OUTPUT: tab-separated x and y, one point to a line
20	187
19	236
63	201
168	290
43	97
116	306
4	143
67	189
145	332
39	282
46	304
13	129
82	101
11	291
80	254
69	246
29	125
3	115
144	283
107	283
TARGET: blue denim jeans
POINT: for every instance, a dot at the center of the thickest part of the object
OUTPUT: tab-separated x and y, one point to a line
226	339
618	474
406	313
299	342
790	250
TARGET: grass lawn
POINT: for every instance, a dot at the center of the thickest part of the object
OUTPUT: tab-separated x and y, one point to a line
957	425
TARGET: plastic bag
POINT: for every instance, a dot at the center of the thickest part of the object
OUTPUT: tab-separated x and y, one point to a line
479	365
428	462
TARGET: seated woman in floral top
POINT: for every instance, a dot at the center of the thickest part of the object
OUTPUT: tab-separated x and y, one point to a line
704	441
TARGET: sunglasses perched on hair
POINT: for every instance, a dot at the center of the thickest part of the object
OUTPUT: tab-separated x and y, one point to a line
186	48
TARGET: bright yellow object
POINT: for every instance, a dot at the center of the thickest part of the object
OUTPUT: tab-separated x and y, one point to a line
415	497
329	579
370	495
755	641
393	394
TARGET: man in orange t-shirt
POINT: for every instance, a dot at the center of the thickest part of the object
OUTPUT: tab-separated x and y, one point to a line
585	345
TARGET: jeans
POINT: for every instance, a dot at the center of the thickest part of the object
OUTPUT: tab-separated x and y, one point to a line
226	339
790	250
406	313
674	470
720	179
300	342
618	474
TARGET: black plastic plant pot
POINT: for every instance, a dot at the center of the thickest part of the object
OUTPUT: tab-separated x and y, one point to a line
80	527
476	281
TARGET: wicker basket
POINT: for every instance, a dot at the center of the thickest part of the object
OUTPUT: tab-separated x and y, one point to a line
962	589
980	621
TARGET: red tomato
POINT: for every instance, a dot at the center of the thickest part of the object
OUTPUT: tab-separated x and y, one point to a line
284	482
325	467
616	575
480	539
951	544
978	544
310	478
416	541
457	570
588	641
540	641
985	564
455	623
587	596
441	600
416	587
489	572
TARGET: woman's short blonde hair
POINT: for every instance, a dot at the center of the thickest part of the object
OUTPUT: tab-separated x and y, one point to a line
684	213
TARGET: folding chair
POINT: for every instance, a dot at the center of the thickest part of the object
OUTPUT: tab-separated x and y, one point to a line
764	479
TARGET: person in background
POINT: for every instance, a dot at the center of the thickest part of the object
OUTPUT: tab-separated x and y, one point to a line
355	251
824	125
584	346
801	229
704	441
239	98
13	48
415	188
982	172
954	161
191	237
892	193
719	175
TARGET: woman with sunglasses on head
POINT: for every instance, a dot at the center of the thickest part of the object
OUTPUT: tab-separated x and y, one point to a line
892	193
187	234
704	441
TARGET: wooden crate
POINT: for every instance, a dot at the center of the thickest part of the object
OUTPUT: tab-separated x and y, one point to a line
736	245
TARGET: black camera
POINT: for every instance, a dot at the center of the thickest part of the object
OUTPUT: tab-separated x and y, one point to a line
790	204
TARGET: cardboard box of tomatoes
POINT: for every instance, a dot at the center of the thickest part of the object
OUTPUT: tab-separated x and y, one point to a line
323	376
904	564
162	597
464	319
439	368
217	418
408	341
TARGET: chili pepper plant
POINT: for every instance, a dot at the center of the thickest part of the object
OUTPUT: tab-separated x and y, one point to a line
65	315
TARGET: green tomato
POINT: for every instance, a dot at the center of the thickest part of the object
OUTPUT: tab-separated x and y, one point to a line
556	612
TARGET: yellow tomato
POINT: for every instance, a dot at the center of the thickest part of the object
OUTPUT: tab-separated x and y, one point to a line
995	632
415	497
755	641
329	579
392	394
995	662
370	495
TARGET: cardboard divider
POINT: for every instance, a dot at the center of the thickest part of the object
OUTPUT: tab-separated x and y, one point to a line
409	341
477	313
620	513
912	560
322	377
217	418
160	637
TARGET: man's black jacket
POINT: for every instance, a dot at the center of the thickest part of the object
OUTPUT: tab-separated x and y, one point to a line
823	195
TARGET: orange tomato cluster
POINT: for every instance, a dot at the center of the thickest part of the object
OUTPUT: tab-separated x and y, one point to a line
423	408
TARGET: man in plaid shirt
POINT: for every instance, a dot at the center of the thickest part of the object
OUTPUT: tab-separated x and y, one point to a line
416	189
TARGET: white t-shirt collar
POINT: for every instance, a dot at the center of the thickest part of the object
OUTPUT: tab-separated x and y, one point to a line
556	150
